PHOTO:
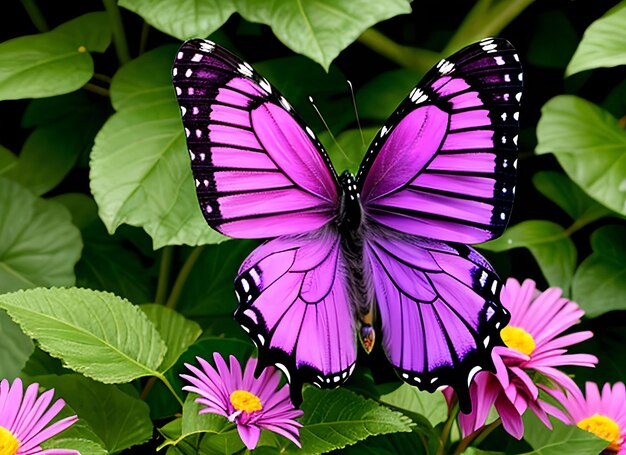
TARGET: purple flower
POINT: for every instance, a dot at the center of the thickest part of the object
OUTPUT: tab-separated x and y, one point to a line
535	348
603	414
249	402
23	418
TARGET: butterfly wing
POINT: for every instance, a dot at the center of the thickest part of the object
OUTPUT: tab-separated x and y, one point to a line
293	301
259	171
443	166
439	309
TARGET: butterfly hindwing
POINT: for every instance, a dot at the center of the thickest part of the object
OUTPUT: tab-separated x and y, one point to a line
294	303
258	170
443	166
439	309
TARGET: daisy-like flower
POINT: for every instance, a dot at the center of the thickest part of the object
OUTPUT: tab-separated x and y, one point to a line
603	414
535	349
23	420
251	403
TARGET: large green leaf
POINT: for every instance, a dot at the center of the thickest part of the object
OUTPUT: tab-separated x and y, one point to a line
603	43
119	420
95	333
144	80
55	62
560	439
432	406
177	332
589	144
39	246
337	418
567	195
183	19
320	29
15	348
140	172
600	282
550	245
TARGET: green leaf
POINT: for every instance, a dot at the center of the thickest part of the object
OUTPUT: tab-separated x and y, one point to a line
15	348
177	332
320	29
589	144
78	444
550	245
389	444
600	282
432	406
145	79
602	44
566	194
560	439
194	423
7	159
140	172
183	19
55	62
39	246
95	333
337	418
119	420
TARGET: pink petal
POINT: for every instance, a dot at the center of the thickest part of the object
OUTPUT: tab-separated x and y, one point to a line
249	435
511	420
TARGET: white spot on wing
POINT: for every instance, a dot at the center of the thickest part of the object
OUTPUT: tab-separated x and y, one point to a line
310	132
499	60
188	73
174	71
486	341
252	315
245	69
179	55
284	369
265	85
245	284
196	58
472	373
183	110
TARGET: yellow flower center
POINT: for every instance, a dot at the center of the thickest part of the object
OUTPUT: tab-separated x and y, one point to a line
518	339
244	401
82	49
8	443
603	427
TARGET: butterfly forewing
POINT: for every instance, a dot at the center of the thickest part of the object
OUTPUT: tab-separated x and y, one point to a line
443	166
259	171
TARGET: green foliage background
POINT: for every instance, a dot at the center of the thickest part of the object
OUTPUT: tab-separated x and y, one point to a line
110	279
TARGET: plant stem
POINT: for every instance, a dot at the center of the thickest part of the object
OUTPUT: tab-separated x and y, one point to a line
447	427
164	274
143	40
181	279
37	18
102	77
478	436
119	36
407	56
96	89
485	20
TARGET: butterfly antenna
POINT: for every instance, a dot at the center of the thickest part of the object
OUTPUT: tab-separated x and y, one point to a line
319	114
356	111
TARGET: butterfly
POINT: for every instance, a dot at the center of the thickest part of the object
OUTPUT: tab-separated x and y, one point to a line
382	256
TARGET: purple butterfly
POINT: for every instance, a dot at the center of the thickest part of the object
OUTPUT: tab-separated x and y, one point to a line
380	256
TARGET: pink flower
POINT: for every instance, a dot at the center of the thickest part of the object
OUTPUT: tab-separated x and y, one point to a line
23	418
251	403
535	348
602	414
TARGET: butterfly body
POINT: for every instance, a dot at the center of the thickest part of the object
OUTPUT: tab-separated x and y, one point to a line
381	257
